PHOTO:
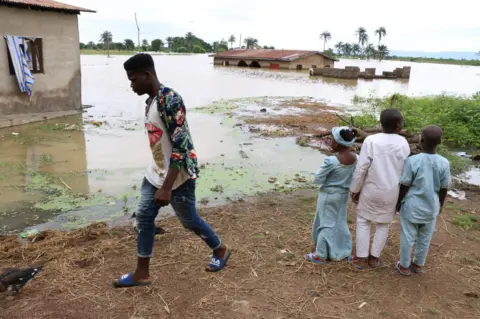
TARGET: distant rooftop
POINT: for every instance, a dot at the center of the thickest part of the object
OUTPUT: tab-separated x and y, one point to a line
44	4
264	54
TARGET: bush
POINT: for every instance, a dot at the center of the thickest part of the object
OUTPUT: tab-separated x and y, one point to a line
182	50
198	49
458	116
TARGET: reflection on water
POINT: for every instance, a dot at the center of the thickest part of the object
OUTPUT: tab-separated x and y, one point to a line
110	159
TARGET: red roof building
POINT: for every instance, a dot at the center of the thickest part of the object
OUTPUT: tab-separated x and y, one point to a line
274	59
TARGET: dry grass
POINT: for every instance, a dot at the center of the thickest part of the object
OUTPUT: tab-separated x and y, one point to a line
266	276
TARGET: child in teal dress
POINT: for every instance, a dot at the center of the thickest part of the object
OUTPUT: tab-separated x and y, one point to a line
330	231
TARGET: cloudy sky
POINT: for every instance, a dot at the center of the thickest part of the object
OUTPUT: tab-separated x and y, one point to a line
413	25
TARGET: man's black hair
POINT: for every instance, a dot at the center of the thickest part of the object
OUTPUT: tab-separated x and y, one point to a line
139	63
390	118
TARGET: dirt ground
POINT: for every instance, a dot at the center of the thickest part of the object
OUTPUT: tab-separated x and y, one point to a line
315	118
265	278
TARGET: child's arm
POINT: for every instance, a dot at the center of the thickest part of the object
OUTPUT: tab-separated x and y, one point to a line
406	180
323	172
363	164
403	192
445	181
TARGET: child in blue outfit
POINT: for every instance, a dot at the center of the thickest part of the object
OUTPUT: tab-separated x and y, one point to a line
330	228
423	188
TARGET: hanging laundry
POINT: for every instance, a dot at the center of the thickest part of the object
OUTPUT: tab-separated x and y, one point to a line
21	61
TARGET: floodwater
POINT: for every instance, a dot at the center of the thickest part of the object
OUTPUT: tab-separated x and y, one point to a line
68	172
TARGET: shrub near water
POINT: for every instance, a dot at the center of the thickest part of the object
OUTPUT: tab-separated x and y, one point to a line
458	116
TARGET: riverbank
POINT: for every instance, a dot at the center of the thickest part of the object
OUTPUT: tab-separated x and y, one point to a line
265	278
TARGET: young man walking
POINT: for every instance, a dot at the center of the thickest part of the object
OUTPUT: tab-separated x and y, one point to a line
170	177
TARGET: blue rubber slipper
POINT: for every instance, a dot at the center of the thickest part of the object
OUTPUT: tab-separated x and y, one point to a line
417	271
312	258
126	281
403	272
217	263
352	260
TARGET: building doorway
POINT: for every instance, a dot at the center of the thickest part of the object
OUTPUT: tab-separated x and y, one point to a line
255	64
242	63
226	63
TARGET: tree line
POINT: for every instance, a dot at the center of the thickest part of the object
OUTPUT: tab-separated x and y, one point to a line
186	44
360	49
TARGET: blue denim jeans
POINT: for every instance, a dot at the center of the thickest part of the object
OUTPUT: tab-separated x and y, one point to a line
183	203
419	235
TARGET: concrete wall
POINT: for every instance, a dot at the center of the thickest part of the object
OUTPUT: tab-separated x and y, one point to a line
306	62
59	88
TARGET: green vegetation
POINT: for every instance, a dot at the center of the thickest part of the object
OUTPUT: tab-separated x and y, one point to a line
459	116
187	44
57	196
466	222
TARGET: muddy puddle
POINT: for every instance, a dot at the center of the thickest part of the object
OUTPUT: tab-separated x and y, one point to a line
72	171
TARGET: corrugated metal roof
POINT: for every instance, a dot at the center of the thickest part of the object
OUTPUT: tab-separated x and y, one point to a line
264	54
46	4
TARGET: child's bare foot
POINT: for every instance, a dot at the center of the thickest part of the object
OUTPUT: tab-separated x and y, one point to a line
374	262
416	268
357	262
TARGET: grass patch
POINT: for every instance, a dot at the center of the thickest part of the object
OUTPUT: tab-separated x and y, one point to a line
466	222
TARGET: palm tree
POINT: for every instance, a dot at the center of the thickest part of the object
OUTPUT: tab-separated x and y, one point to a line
106	38
189	39
382	52
369	51
362	35
169	43
347	49
380	32
356	49
145	44
232	40
339	47
325	36
251	43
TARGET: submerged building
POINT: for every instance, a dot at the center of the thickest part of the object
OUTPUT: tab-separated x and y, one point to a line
274	59
39	60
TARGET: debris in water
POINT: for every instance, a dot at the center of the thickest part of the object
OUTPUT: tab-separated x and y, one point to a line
243	154
97	123
471	294
476	157
72	127
14	133
217	188
300	179
272	180
263	110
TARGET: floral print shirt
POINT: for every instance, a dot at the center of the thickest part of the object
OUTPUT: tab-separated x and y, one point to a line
173	114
